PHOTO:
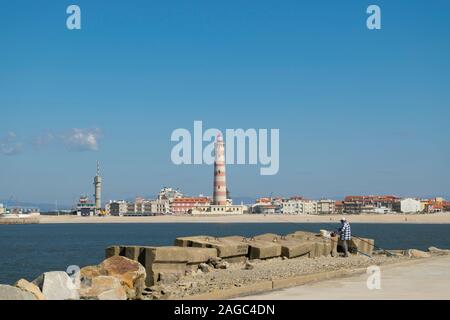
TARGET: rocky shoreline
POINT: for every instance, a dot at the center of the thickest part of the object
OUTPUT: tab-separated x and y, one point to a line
204	267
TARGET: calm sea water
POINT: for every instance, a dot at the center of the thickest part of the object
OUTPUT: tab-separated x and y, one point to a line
28	250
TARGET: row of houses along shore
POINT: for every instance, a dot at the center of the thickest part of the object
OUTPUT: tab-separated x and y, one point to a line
171	201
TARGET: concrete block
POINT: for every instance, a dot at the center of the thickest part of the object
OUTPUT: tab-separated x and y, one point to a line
200	255
334	244
293	249
112	251
365	245
257	249
174	260
260	249
154	271
187	241
134	253
309	248
290	247
226	248
166	254
268	237
237	259
303	235
234	238
323	248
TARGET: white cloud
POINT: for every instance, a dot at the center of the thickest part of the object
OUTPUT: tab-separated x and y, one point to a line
9	145
43	139
82	139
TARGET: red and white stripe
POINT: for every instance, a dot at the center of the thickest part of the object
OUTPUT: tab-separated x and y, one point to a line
220	182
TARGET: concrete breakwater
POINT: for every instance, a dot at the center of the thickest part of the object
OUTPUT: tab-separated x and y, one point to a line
191	253
205	267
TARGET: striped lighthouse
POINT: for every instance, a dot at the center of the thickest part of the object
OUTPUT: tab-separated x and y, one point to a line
220	181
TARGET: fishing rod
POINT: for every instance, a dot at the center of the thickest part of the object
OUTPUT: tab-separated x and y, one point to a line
364	254
389	254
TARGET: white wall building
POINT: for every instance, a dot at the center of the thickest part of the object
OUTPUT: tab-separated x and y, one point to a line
410	205
213	209
326	206
291	206
309	207
298	206
160	206
167	193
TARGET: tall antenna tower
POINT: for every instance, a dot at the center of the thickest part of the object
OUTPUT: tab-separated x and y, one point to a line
98	189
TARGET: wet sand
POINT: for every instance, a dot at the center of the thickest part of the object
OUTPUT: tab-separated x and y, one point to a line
438	218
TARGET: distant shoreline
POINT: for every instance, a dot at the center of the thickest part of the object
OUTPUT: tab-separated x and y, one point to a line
437	218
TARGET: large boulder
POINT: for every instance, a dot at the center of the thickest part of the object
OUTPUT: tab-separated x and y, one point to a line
90	272
31	288
103	288
57	285
14	293
131	274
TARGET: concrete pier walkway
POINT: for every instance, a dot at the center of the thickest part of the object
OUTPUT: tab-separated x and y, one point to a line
424	280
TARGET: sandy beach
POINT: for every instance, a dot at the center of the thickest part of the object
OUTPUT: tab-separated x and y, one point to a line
438	218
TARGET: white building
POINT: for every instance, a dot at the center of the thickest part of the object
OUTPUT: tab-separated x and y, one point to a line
2	209
309	207
167	193
139	207
85	208
381	210
299	206
291	206
264	208
410	205
160	206
213	209
118	207
326	206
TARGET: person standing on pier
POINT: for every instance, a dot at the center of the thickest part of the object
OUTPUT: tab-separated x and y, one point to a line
345	233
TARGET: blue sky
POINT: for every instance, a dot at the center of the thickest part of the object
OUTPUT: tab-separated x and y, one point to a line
359	111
